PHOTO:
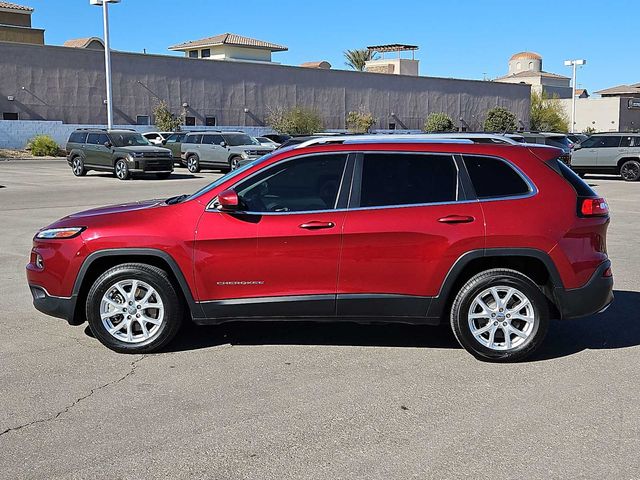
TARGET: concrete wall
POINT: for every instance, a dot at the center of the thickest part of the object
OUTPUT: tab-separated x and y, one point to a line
15	18
16	134
58	83
603	114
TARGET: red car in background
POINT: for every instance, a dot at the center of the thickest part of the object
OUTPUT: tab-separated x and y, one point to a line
494	238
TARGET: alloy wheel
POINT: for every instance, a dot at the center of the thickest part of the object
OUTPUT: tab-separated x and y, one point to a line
630	171
121	170
501	318
77	166
192	164
132	311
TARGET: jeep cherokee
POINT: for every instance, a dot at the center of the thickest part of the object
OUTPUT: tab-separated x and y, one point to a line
493	238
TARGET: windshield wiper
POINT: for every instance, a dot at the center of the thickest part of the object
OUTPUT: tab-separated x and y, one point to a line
176	199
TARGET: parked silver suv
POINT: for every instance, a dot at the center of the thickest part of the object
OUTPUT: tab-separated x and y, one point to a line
617	153
219	150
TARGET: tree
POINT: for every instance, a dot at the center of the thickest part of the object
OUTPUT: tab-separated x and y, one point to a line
164	119
357	58
360	122
500	119
438	122
547	114
295	121
589	131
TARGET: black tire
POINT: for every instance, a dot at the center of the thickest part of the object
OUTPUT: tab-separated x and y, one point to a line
77	166
152	276
630	171
233	162
163	175
474	288
193	163
121	169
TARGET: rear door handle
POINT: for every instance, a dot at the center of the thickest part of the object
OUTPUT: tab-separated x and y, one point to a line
456	219
316	225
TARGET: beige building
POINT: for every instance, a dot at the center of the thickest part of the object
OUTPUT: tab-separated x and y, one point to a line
526	67
15	25
605	114
394	65
229	46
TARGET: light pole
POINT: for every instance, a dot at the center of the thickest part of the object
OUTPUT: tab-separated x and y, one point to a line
574	64
107	56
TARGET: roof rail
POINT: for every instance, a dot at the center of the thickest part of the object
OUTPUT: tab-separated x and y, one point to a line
412	138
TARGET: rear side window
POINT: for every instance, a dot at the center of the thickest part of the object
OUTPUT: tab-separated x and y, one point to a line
78	137
494	178
97	138
390	179
581	188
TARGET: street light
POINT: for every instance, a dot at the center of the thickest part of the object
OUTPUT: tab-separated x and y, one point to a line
574	64
107	56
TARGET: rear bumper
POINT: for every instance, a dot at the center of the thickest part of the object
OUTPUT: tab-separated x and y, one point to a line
59	307
593	297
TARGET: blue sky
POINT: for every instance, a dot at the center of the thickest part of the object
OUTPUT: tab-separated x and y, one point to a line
461	39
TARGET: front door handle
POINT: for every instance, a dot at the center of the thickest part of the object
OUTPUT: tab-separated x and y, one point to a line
316	225
456	219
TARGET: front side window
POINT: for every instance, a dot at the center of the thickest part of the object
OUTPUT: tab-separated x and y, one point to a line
193	138
494	178
236	139
173	138
299	185
390	179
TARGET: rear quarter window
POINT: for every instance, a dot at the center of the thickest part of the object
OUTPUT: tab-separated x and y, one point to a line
494	178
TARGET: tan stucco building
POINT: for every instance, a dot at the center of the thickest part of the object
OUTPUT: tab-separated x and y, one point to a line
15	25
526	67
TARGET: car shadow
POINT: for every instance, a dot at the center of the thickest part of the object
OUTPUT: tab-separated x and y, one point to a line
617	327
589	177
148	176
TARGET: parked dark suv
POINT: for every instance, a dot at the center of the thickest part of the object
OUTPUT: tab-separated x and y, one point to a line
493	238
122	152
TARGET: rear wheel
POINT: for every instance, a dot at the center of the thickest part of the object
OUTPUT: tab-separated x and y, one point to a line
630	170
500	315
121	169
134	308
77	166
193	163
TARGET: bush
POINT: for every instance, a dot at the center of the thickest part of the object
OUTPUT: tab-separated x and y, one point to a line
43	146
164	119
360	122
438	122
547	114
589	131
295	121
500	120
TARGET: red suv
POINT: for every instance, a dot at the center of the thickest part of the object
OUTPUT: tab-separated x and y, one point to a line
494	238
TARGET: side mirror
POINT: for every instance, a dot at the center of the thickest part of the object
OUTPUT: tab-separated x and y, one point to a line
577	146
228	201
164	142
108	144
223	144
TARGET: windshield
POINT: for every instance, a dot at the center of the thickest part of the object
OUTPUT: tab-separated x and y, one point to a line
236	139
230	175
128	139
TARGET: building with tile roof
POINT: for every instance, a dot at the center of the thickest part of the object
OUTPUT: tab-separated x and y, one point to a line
15	24
229	46
526	67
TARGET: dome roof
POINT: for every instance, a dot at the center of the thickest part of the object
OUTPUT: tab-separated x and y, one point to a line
525	56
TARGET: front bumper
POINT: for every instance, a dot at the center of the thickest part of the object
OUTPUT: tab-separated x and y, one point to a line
151	165
594	297
59	307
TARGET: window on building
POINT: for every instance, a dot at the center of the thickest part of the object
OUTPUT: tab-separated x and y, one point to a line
518	66
301	185
210	121
407	179
193	53
142	120
392	126
205	53
190	121
530	65
492	177
10	116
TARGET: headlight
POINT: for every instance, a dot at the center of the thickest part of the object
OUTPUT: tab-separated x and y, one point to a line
68	232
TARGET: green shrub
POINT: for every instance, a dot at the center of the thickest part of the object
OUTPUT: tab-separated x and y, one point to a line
360	122
438	122
43	146
295	121
547	114
500	120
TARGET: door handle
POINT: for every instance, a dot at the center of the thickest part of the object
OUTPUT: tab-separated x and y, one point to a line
316	225
456	219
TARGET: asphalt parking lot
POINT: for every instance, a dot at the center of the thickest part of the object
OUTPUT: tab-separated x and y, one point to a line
305	401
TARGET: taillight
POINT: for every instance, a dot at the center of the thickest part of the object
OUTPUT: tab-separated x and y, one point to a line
593	207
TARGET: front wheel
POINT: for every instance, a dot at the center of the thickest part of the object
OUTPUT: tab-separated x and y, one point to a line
234	162
500	315
122	169
630	170
193	164
134	308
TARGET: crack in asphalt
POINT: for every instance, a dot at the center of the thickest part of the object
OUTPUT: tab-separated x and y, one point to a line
133	365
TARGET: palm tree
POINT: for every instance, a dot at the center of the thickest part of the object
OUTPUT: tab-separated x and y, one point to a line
357	58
